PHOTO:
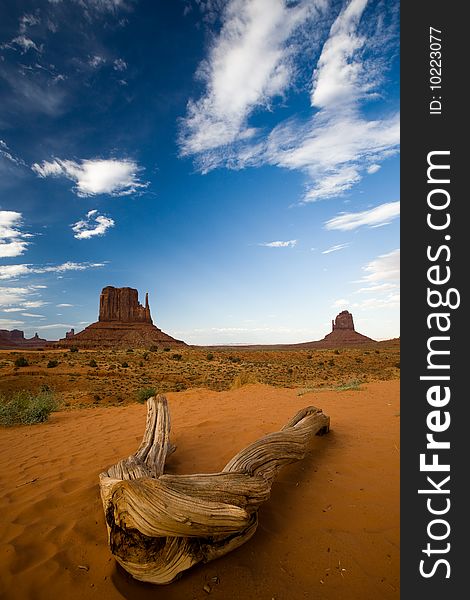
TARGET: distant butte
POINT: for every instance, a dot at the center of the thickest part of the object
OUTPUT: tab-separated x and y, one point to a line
15	339
122	322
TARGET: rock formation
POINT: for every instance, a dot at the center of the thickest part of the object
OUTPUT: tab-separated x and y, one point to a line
122	322
15	339
343	332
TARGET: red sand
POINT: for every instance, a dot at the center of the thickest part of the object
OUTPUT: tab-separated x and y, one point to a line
330	530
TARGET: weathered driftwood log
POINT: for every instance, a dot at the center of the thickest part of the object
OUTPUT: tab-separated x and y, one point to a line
160	525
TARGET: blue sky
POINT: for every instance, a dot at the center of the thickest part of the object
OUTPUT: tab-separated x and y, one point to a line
237	159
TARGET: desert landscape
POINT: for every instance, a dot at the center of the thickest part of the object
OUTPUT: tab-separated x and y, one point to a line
330	528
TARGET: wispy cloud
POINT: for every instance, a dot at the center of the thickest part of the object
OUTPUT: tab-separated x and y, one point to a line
25	44
119	64
14	271
6	153
15	296
10	323
385	268
33	315
336	145
13	241
92	225
64	305
279	244
95	176
248	64
335	248
374	217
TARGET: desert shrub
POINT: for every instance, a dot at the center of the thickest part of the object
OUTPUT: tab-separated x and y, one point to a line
21	362
166	349
358	360
235	359
397	364
92	363
129	351
176	356
145	355
73	349
243	378
124	365
153	348
210	356
141	363
145	393
25	407
309	356
337	351
52	363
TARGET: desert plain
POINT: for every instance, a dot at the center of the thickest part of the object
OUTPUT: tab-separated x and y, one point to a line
329	531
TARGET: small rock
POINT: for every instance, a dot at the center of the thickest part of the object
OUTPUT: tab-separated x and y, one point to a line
215	579
84	567
207	589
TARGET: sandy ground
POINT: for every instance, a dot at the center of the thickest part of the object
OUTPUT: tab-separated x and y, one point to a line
329	531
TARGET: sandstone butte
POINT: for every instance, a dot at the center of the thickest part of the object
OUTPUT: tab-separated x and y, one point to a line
15	339
342	334
122	322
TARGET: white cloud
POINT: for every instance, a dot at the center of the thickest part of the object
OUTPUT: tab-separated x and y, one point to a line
13	295
92	225
341	303
34	303
33	315
9	323
64	305
25	44
95	176
249	64
12	271
15	309
12	239
380	287
335	248
5	152
337	144
375	217
280	244
119	65
339	74
96	61
385	268
28	20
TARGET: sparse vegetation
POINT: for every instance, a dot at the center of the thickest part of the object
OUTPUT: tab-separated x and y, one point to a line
124	365
73	349
176	356
78	381
52	363
26	408
21	362
145	393
153	348
210	356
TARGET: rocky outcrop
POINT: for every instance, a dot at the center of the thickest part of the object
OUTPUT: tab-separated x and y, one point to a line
15	339
122	322
343	332
122	305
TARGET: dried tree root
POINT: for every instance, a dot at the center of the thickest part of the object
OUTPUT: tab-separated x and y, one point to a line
160	525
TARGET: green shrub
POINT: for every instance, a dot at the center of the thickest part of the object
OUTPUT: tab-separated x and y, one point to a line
235	359
176	356
92	363
124	365
166	349
154	348
145	393
52	363
73	349
21	362
25	407
129	351
210	356
145	355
